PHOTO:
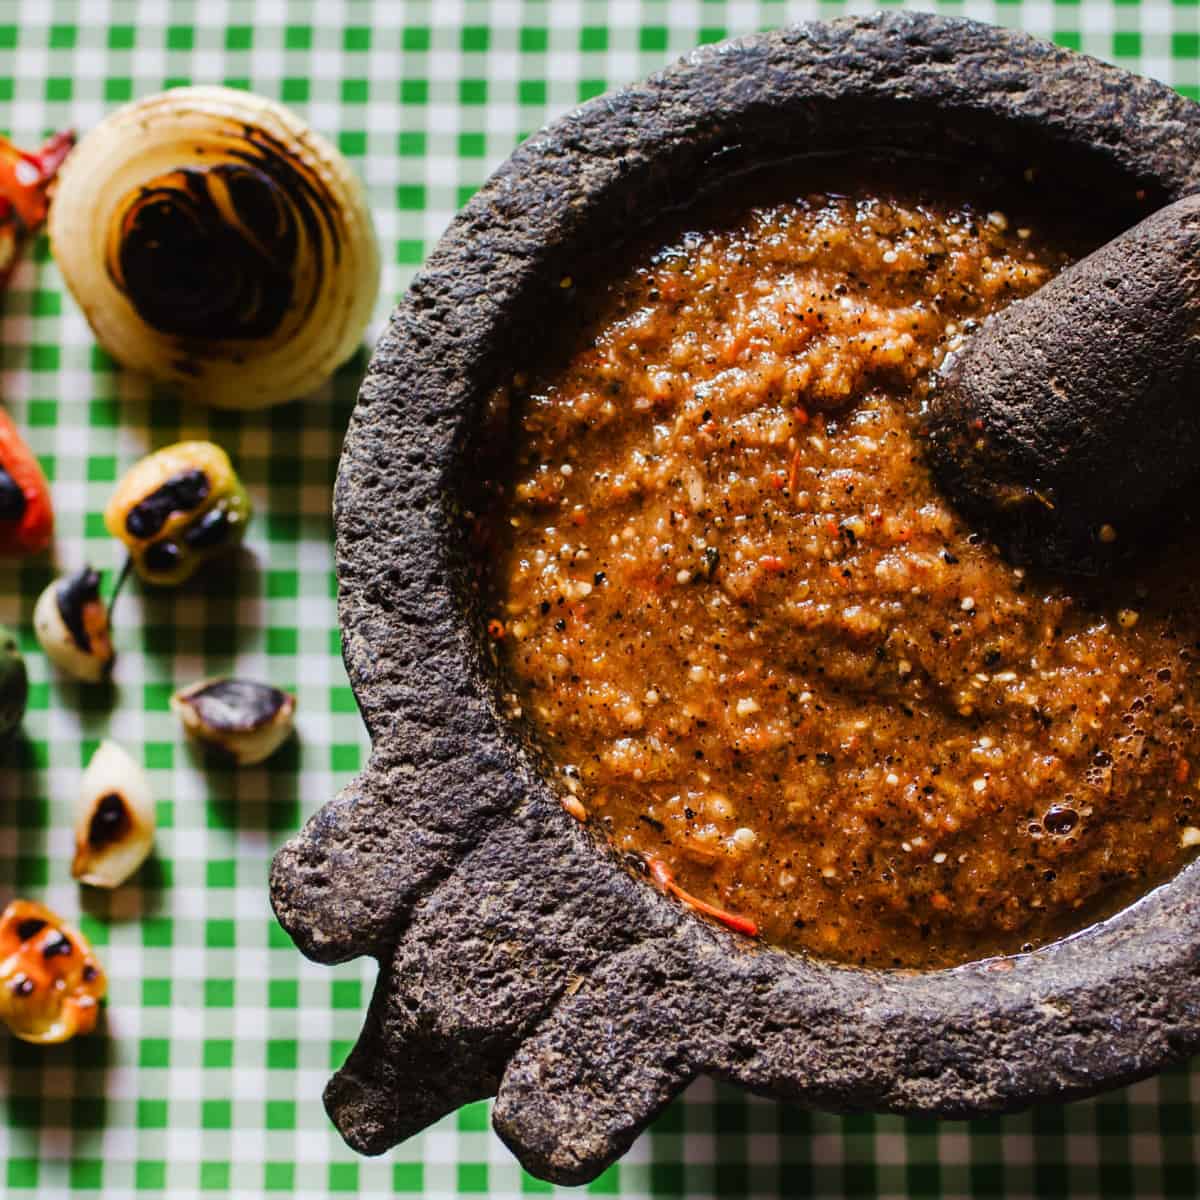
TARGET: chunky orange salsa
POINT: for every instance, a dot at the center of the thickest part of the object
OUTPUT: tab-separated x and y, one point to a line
769	660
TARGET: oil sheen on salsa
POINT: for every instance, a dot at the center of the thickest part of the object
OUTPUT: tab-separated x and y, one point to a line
763	650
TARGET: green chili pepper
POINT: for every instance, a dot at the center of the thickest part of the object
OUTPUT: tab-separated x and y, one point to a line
14	684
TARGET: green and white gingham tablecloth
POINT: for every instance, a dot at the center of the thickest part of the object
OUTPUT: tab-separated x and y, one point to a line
219	1035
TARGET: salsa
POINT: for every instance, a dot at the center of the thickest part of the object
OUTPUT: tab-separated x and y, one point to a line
768	659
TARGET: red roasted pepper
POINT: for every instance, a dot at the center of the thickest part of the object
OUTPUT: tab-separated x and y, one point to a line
24	186
26	516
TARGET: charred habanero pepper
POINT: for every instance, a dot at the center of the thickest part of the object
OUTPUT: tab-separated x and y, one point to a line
26	516
177	509
50	982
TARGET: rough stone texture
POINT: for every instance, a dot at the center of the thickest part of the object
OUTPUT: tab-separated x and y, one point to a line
1076	408
518	956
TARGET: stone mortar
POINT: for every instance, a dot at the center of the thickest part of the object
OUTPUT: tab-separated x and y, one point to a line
518	957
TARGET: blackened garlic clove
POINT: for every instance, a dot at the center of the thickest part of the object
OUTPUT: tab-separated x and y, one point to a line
246	721
71	624
114	819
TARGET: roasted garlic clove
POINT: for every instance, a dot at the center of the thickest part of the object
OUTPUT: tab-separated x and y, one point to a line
216	242
50	982
176	509
71	624
14	684
247	721
114	819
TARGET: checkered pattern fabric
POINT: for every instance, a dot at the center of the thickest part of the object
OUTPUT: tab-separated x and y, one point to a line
219	1035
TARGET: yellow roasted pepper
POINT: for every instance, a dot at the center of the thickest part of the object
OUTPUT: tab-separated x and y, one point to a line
178	508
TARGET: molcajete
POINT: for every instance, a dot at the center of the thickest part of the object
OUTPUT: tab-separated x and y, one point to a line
518	956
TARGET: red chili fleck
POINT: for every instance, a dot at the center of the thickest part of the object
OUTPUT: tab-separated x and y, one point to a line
661	874
496	629
794	473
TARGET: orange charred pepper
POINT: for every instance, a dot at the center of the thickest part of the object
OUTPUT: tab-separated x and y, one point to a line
26	515
24	193
50	982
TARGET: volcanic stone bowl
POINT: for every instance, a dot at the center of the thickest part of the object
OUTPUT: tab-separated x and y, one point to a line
518	956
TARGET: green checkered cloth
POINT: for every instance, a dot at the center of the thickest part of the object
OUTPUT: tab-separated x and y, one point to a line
219	1035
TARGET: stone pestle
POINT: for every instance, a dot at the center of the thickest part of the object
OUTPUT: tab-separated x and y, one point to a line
1068	424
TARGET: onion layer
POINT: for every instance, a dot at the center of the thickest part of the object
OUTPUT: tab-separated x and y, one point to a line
217	243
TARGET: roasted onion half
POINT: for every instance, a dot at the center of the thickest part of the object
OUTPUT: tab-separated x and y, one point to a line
215	242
